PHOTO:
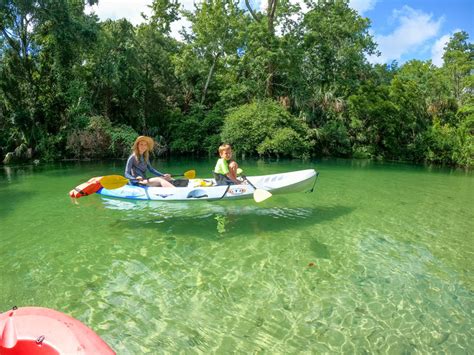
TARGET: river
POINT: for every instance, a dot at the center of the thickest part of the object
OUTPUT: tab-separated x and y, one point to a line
379	258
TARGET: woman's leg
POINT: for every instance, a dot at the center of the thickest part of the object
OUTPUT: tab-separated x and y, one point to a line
159	181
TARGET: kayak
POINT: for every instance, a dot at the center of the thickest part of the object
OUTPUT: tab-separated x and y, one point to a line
38	330
206	189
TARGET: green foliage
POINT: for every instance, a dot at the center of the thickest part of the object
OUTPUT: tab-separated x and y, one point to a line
165	12
335	42
48	147
217	31
373	120
99	139
266	128
197	132
122	138
412	119
459	63
463	154
71	86
441	144
450	145
286	142
187	134
92	142
334	139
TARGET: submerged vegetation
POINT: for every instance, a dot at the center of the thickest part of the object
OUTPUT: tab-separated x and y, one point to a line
273	83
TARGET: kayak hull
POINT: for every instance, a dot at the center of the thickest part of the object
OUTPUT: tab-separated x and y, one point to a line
290	182
38	330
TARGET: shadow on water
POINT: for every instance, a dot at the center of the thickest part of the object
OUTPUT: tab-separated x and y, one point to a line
11	194
14	198
319	250
214	221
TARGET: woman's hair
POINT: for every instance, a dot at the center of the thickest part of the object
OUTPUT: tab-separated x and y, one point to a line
136	152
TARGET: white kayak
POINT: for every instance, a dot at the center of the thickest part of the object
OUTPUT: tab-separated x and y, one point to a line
199	189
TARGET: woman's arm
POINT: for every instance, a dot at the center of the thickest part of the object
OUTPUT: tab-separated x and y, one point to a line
153	170
128	168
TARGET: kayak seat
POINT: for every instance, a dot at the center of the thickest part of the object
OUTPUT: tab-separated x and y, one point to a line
180	182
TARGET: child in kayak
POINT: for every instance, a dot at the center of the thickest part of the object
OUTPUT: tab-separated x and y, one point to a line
225	171
138	163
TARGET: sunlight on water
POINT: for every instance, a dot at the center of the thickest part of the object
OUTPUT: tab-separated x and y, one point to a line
377	259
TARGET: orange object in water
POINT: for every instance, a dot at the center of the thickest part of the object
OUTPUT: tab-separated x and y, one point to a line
37	330
87	188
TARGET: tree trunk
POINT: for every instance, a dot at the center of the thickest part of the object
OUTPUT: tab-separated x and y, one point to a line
271	9
211	72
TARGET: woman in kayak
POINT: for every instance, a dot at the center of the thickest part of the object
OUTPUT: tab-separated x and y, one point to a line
225	171
138	163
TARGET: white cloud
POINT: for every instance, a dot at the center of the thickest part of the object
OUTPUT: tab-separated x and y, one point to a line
362	6
437	50
132	10
183	22
414	29
117	9
177	26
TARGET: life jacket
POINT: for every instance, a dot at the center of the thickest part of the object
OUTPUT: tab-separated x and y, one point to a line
87	188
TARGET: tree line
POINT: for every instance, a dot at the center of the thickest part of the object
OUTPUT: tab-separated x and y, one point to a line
274	83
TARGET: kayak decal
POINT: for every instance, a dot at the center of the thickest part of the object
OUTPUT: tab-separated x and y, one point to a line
237	191
163	195
198	193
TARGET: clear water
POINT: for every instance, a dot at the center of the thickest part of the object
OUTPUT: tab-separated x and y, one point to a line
378	259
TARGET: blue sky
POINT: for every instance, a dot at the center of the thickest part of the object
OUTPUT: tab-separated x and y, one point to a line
403	29
416	29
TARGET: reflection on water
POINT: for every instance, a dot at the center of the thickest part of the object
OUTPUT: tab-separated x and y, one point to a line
225	218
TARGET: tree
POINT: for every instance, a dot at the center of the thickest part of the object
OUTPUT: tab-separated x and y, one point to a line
459	63
335	41
374	121
266	128
266	43
43	42
459	68
165	12
217	28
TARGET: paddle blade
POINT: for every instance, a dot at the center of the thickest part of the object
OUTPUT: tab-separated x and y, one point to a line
111	182
190	174
260	195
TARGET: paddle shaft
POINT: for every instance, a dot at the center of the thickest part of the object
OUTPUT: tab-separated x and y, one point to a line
225	193
245	178
259	195
190	174
228	187
117	181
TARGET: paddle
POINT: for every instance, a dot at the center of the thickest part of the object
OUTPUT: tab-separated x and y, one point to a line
111	182
259	195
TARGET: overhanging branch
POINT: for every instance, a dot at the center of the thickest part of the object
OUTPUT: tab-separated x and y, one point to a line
254	15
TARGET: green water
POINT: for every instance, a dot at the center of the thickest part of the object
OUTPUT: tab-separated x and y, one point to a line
378	259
